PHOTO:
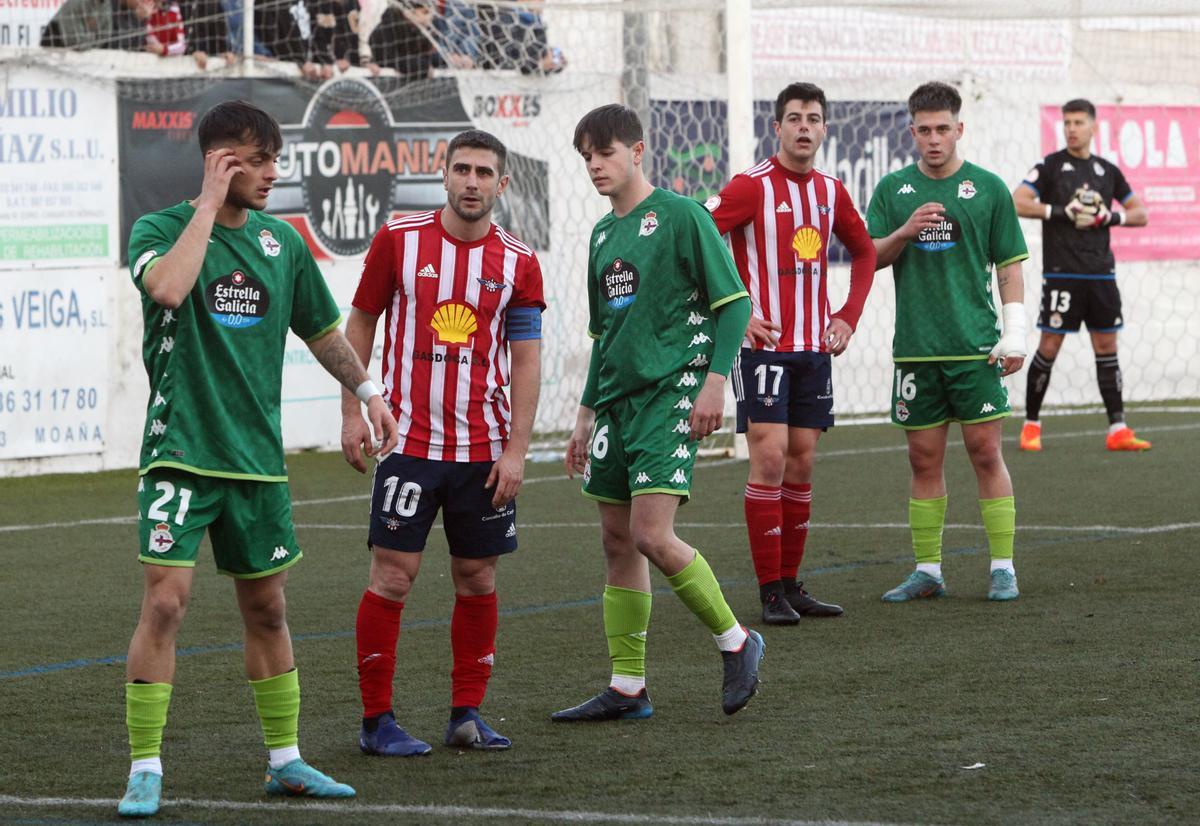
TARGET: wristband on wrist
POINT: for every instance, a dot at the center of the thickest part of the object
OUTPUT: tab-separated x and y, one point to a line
366	390
1115	219
1056	212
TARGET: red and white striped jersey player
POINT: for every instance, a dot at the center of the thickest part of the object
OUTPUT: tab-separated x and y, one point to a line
780	217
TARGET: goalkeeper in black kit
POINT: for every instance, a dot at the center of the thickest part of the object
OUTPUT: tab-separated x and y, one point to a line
1072	191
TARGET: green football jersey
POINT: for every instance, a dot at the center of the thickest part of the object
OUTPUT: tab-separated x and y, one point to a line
215	363
654	278
944	306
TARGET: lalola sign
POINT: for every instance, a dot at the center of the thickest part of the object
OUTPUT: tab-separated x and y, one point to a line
1157	148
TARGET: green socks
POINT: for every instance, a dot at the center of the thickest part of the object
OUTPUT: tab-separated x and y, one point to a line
698	589
146	717
1000	522
277	700
626	618
925	518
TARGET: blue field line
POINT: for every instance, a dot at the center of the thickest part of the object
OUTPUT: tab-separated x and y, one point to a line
530	610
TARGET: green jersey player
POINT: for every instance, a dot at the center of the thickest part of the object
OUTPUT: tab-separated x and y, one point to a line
942	224
667	315
221	285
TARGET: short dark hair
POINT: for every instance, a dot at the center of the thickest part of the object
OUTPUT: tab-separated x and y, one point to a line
238	121
478	139
605	124
934	96
1080	105
803	92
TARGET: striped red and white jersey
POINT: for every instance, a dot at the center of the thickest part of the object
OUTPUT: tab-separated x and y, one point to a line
445	352
779	224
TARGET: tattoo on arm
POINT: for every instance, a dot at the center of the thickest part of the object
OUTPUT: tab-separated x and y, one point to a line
339	359
1002	278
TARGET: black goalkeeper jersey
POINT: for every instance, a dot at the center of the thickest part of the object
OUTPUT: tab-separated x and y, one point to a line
1066	250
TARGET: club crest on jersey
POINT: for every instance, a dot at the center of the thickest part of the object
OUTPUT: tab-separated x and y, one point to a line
492	286
453	322
966	190
649	224
237	300
806	243
824	209
1055	320
901	411
712	203
619	283
270	246
161	540
1097	168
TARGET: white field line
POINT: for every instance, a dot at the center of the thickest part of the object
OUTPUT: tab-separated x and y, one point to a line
282	811
364	497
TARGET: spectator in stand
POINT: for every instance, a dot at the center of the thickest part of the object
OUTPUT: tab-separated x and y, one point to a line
335	35
456	29
207	31
164	27
128	25
285	32
79	24
514	37
399	42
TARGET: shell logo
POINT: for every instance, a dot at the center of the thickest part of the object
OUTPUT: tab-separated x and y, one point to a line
807	243
453	322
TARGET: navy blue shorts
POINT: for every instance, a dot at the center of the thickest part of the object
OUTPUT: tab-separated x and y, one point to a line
408	493
795	389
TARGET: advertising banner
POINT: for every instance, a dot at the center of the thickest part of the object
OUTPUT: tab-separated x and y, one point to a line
58	159
355	154
22	21
54	346
865	140
1157	149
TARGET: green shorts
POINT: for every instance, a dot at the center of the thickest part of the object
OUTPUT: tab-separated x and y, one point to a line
930	393
249	523
641	445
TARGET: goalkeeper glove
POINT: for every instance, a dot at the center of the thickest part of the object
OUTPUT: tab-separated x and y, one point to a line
1012	341
1087	209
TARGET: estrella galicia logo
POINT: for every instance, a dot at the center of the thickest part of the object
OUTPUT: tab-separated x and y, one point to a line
942	237
237	300
619	283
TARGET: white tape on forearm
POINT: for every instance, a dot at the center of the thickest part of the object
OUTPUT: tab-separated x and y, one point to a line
1015	325
367	389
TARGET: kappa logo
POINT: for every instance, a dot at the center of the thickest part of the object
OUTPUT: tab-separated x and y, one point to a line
683	404
699	361
168	344
695	319
907	189
157	428
161	539
159	400
427	271
642	479
775	531
681	452
649	224
681	426
783	208
695	296
987	408
168	318
687	380
699	338
511	532
280	553
600	238
487	659
1067	167
679	477
269	245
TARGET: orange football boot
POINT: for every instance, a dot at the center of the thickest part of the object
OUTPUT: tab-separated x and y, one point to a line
1031	436
1125	439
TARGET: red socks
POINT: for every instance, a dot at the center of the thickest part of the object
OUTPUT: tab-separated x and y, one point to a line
376	630
797	506
473	640
763	520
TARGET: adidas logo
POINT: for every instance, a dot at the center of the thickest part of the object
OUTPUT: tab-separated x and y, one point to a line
905	190
775	531
280	553
427	271
987	408
679	478
783	207
488	659
683	404
511	532
642	479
